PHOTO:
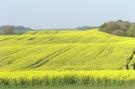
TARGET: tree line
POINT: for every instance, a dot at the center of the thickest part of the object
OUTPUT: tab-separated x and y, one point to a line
11	30
120	28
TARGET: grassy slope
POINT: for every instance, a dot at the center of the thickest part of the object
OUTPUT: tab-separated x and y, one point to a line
78	50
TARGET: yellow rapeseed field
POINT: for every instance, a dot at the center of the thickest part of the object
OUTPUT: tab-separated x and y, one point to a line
35	78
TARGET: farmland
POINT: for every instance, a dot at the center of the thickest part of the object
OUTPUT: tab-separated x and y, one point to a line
60	50
66	57
60	78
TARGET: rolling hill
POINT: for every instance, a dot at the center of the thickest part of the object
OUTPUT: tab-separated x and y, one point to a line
66	49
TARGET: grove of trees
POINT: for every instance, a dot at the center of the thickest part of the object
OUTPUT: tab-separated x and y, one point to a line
10	30
120	28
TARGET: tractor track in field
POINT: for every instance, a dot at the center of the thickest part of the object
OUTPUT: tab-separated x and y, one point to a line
130	59
21	38
6	56
47	58
102	51
14	53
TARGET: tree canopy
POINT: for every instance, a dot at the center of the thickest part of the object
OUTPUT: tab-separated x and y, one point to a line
120	28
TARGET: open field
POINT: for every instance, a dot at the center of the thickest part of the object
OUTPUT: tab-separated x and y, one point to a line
59	58
70	50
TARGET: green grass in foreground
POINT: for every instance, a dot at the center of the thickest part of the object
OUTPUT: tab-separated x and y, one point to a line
77	87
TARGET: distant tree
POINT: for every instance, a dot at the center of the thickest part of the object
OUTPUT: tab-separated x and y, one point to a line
8	30
119	32
119	27
86	27
131	31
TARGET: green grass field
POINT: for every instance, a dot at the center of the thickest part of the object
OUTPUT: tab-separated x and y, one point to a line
29	58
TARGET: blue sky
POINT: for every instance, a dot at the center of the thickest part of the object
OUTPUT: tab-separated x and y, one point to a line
64	13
